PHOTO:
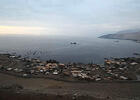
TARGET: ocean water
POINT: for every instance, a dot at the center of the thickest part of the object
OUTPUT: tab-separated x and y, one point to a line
87	49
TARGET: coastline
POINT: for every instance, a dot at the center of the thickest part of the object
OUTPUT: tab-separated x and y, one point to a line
115	69
112	36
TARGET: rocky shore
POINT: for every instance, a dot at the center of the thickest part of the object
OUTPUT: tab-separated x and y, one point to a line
115	69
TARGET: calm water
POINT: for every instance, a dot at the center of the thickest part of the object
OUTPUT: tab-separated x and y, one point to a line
50	47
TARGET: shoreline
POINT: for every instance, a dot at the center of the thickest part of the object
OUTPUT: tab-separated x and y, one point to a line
104	37
115	69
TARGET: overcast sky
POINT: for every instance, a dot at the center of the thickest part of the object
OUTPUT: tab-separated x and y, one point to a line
62	17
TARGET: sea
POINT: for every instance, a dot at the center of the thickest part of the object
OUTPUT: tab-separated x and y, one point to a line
88	49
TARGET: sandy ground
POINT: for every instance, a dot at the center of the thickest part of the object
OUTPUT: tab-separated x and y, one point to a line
115	91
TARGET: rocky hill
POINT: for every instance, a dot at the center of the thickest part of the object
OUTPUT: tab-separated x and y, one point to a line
125	35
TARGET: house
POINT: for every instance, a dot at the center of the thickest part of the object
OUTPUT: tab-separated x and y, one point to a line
51	65
9	69
76	73
56	72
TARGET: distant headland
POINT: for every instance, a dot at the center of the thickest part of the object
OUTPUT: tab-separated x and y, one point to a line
124	35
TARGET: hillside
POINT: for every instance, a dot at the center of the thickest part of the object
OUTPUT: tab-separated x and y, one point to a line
125	35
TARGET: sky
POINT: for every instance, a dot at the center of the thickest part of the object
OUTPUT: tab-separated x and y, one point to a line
68	17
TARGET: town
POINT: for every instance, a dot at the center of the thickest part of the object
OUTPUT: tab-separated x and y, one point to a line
115	69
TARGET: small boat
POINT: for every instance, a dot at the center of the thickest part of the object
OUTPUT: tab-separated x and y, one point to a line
73	43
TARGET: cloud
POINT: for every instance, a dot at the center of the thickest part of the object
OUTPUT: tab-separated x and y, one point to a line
70	16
